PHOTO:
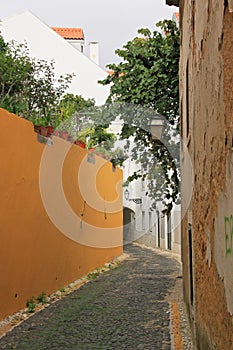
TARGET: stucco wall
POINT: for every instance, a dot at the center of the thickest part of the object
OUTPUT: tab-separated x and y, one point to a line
49	236
206	105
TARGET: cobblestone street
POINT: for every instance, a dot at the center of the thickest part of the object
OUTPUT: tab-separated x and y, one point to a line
128	307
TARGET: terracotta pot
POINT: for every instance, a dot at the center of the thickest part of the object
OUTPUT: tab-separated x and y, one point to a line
37	129
64	135
55	133
50	130
70	139
43	130
100	154
80	144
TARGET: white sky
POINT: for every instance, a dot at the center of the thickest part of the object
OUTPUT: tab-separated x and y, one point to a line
111	23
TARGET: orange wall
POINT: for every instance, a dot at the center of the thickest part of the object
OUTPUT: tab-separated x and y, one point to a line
45	243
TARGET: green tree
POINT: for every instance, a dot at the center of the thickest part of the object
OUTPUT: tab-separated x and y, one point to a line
71	104
28	86
145	82
148	74
72	108
73	113
14	70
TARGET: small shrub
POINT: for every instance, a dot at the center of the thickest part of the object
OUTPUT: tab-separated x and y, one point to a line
31	305
42	298
93	275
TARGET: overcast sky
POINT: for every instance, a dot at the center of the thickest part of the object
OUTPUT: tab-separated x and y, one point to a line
111	23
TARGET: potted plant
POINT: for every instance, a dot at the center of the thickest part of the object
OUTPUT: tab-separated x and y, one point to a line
50	130
102	152
64	134
56	133
40	127
80	143
117	157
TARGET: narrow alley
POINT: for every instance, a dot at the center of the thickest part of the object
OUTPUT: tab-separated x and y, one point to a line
128	307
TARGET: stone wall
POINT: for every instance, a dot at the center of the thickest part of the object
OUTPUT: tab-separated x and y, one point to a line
206	103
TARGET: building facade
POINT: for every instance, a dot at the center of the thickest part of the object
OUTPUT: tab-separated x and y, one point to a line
144	221
63	46
206	104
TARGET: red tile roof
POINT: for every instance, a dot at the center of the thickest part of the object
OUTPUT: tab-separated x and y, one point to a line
177	15
70	33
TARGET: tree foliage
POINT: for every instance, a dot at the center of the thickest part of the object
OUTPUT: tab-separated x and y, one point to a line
28	86
72	112
148	74
71	104
145	82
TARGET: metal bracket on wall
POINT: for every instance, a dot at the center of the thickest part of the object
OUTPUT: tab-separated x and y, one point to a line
42	139
91	158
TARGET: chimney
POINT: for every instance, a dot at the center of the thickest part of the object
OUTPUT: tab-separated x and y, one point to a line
94	51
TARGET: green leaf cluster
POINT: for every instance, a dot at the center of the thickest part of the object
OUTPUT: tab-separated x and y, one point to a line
148	79
28	87
148	74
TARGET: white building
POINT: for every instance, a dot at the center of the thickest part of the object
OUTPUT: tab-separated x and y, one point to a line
47	44
142	221
145	222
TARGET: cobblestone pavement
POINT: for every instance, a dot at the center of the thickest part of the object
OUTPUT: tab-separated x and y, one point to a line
125	308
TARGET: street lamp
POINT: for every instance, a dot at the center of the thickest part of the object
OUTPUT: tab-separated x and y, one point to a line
126	193
157	126
135	200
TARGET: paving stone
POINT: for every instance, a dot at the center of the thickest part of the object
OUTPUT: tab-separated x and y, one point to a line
124	308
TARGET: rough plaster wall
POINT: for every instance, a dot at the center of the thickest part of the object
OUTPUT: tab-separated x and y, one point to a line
186	152
224	220
207	50
223	249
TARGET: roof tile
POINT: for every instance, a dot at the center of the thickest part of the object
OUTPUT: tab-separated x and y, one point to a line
69	33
